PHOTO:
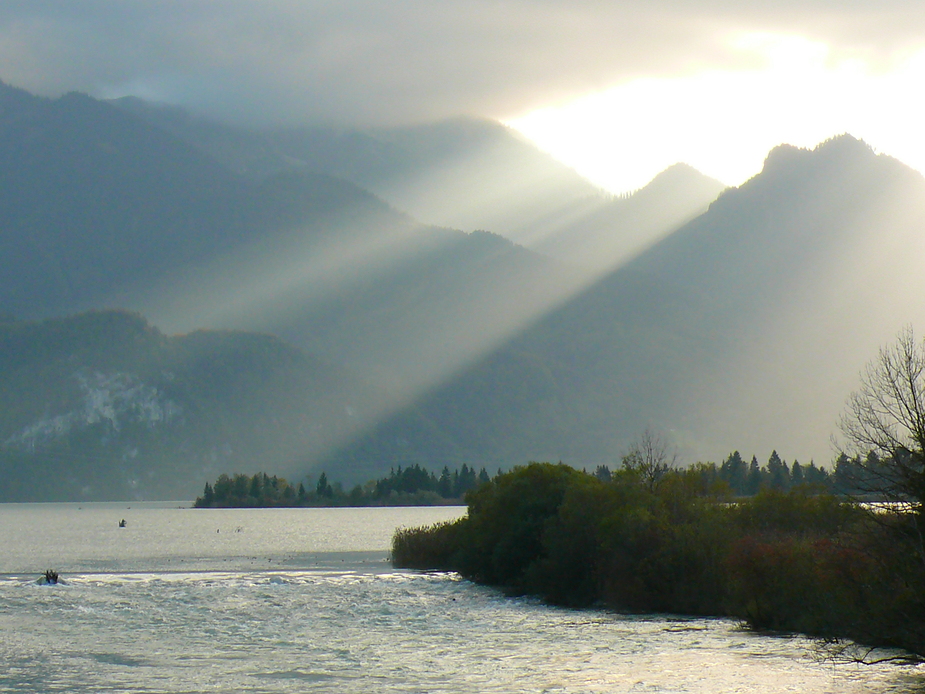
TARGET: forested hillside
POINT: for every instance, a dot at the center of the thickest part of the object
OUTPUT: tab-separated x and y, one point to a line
104	406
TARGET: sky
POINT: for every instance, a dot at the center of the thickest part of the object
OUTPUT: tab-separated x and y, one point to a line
618	90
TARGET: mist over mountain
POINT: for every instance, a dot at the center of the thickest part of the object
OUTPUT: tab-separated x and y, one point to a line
106	210
601	234
744	329
97	203
463	173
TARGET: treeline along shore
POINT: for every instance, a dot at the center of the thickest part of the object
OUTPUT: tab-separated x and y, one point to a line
408	486
415	486
654	539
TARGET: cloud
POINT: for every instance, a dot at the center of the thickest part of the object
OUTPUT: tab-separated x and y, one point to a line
386	62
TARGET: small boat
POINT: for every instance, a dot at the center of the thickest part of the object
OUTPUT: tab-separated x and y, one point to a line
49	578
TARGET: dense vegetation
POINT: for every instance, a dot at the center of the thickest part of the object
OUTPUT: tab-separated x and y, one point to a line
410	486
785	560
415	486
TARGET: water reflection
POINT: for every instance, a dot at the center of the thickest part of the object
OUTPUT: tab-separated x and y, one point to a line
352	628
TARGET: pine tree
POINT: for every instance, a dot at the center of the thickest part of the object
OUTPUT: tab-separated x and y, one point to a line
753	485
207	498
324	490
734	472
445	484
778	472
796	474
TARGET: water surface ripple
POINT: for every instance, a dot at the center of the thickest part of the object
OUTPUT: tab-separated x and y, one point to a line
326	613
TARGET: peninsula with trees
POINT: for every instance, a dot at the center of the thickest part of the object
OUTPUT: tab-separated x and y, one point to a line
408	486
652	538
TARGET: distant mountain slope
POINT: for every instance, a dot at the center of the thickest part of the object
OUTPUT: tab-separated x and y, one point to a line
102	209
464	173
601	234
243	151
89	198
103	406
744	329
95	202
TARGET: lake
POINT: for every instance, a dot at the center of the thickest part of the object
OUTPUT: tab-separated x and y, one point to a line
304	600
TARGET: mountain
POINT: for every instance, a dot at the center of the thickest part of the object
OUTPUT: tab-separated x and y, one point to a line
96	202
745	329
463	173
102	405
602	234
102	209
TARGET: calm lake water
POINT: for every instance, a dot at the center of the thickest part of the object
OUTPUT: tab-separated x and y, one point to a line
304	600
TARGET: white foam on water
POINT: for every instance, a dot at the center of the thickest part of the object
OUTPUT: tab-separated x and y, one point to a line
321	624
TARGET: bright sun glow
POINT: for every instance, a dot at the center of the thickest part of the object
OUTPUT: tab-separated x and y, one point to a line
725	122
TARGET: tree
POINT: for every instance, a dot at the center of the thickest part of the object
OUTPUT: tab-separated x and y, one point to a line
796	474
778	472
886	417
208	496
324	489
734	471
445	484
255	488
817	476
754	479
650	459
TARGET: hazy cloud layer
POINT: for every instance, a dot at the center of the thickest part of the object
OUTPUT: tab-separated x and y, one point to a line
386	62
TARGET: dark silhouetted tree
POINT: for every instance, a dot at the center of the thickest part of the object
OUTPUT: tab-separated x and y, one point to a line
323	488
886	417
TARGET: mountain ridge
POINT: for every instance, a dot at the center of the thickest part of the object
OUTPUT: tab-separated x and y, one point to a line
744	328
683	338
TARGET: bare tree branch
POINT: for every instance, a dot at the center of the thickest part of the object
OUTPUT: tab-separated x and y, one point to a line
650	457
886	416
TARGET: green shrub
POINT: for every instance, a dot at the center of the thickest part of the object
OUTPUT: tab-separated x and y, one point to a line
431	547
782	561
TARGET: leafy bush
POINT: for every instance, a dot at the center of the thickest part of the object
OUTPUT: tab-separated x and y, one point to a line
784	561
430	547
